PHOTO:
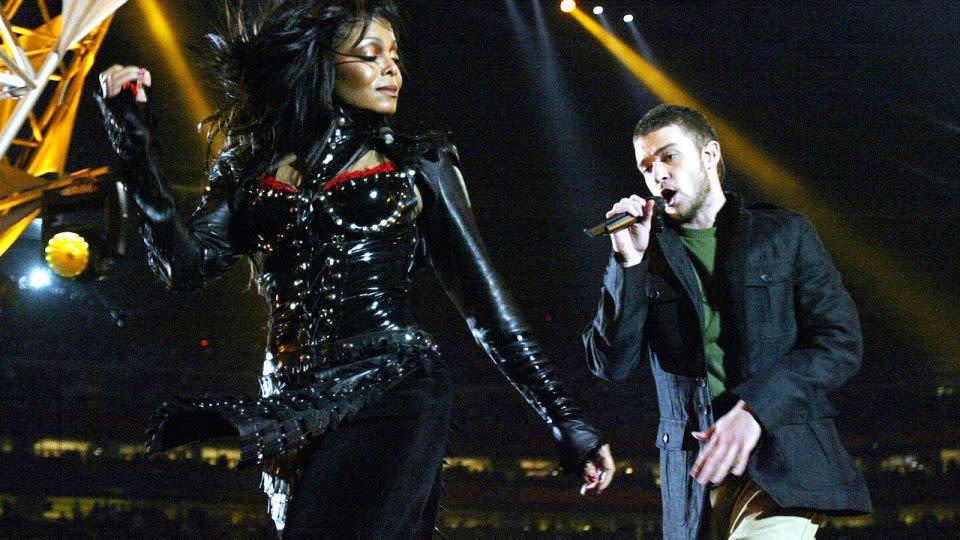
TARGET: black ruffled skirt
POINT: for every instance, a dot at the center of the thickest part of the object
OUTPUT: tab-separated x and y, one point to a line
354	439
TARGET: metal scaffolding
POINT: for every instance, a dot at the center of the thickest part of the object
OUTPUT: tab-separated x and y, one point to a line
37	118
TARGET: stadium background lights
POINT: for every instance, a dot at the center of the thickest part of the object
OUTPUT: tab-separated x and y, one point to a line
628	18
567	6
597	10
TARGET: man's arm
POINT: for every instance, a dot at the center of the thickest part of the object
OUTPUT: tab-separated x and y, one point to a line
829	345
614	340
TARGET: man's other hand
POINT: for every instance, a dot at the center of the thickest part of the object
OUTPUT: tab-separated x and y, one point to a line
729	443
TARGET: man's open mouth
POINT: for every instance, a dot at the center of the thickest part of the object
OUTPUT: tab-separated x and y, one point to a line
667	195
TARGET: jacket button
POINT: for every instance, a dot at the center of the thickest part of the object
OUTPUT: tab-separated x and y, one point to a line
764	277
655	294
666	438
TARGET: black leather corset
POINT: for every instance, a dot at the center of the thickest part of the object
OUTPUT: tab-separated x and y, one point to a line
337	260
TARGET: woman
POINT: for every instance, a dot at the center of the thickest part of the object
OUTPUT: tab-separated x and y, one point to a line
335	210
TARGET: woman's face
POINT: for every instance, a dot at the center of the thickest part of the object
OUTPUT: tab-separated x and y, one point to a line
367	74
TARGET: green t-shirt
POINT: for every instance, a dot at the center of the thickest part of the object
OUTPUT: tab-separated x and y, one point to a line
701	244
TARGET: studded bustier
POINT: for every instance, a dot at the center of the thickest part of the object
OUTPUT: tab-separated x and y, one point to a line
335	255
345	273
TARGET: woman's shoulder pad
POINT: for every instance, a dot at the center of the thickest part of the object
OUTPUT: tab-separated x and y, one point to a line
430	147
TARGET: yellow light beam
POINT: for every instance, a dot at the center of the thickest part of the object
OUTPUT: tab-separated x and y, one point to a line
921	313
170	48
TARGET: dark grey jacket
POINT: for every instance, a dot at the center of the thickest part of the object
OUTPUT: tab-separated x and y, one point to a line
791	335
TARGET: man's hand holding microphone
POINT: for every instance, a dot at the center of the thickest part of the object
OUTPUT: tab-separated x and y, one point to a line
630	243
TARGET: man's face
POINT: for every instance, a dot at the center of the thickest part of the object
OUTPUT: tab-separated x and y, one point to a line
674	168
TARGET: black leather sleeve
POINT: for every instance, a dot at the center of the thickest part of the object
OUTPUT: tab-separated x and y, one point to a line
183	257
456	252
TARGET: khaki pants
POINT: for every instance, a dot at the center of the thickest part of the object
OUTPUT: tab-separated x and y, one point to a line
741	510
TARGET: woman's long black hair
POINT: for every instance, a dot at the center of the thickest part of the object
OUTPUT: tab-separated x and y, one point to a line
274	63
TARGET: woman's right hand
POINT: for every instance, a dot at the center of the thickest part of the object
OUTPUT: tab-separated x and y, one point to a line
116	77
598	472
630	243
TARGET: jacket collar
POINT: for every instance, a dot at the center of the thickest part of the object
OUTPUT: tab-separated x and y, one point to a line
733	231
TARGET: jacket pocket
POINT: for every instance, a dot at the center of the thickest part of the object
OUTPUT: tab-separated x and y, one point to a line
810	454
661	292
680	494
769	303
670	434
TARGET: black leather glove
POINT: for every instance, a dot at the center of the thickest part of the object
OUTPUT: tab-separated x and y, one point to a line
457	253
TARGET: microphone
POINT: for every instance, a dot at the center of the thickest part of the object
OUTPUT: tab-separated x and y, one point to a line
386	135
622	221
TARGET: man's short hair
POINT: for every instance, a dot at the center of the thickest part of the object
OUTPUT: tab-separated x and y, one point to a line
689	120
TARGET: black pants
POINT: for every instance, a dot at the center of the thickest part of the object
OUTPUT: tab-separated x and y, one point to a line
377	476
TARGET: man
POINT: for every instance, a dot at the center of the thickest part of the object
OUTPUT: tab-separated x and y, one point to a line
747	328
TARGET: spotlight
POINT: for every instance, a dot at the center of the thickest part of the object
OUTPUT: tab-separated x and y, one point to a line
567	6
67	254
628	18
39	278
83	225
597	10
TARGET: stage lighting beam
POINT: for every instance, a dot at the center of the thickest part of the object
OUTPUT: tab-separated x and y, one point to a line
554	93
172	49
567	6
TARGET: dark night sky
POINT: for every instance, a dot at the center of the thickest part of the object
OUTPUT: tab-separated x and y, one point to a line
859	100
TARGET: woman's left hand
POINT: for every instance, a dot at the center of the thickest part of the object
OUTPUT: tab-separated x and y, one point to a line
598	472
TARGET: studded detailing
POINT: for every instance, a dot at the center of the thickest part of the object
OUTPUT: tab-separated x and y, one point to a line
298	403
128	128
371	194
335	254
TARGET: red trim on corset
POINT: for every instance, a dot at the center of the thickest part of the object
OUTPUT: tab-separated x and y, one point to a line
269	182
386	166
